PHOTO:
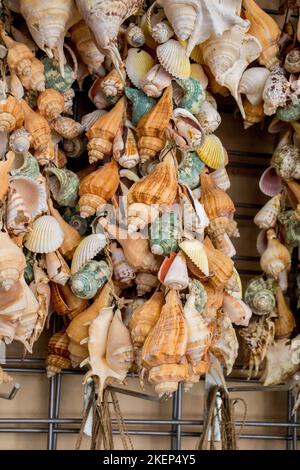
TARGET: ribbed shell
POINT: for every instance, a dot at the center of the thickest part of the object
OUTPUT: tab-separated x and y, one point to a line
260	297
66	127
50	103
46	235
212	152
220	265
216	202
267	216
144	318
11	114
138	64
173	58
276	258
87	249
195	252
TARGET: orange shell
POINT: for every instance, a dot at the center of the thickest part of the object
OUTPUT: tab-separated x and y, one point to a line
64	302
11	114
220	265
285	323
215	200
50	103
144	318
37	126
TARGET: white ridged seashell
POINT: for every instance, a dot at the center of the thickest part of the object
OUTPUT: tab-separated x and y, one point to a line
267	216
173	58
89	119
209	118
252	84
46	235
33	193
195	252
87	249
135	36
138	63
221	178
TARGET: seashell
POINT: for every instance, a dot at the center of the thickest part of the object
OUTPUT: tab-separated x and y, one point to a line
46	235
293	193
164	234
172	56
58	354
286	161
139	215
123	272
234	285
291	228
162	32
97	96
135	36
253	114
119	350
37	126
74	148
128	157
138	63
188	128
5	168
151	127
285	323
155	81
86	47
292	61
104	19
165	346
265	29
176	277
208	118
19	56
260	296
194	95
195	22
144	318
195	219
11	114
145	283
78	327
72	217
212	152
50	104
66	127
224	244
15	87
252	84
276	258
238	312
141	103
221	178
135	247
267	216
57	269
48	23
32	192
194	250
12	262
190	169
159	187
198	73
225	343
35	81
276	91
97	188
270	183
199	334
19	141
289	113
87	249
219	264
18	218
64	302
89	279
281	361
63	185
54	79
112	85
103	132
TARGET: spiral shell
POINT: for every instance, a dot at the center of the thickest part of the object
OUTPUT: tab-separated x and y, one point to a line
260	296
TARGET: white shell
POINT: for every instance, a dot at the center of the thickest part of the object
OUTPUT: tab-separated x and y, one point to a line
138	64
46	235
155	81
267	216
33	193
17	216
87	249
252	84
177	276
221	178
173	58
209	118
238	312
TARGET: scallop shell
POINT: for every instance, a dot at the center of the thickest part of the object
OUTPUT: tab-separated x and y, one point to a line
87	249
138	64
267	216
212	152
195	252
46	235
270	183
173	58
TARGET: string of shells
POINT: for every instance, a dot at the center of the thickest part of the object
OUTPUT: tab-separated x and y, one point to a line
120	222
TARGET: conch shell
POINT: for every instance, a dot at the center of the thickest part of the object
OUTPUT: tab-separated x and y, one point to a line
11	114
38	127
86	47
276	258
58	353
50	104
12	262
267	216
285	323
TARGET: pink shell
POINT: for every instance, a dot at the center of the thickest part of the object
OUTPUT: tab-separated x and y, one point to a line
277	126
270	183
261	241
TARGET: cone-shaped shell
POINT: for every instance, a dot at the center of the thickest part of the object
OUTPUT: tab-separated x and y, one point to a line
46	235
58	353
212	152
172	56
267	216
11	114
50	103
216	202
128	157
177	277
194	250
144	318
87	249
160	187
265	29
285	323
276	258
220	265
97	188
151	128
103	132
37	126
19	56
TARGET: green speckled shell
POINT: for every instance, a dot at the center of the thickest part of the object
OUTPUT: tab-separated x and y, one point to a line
88	280
289	113
260	296
141	103
286	161
72	216
190	169
291	228
164	234
194	95
197	289
53	78
30	168
64	185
